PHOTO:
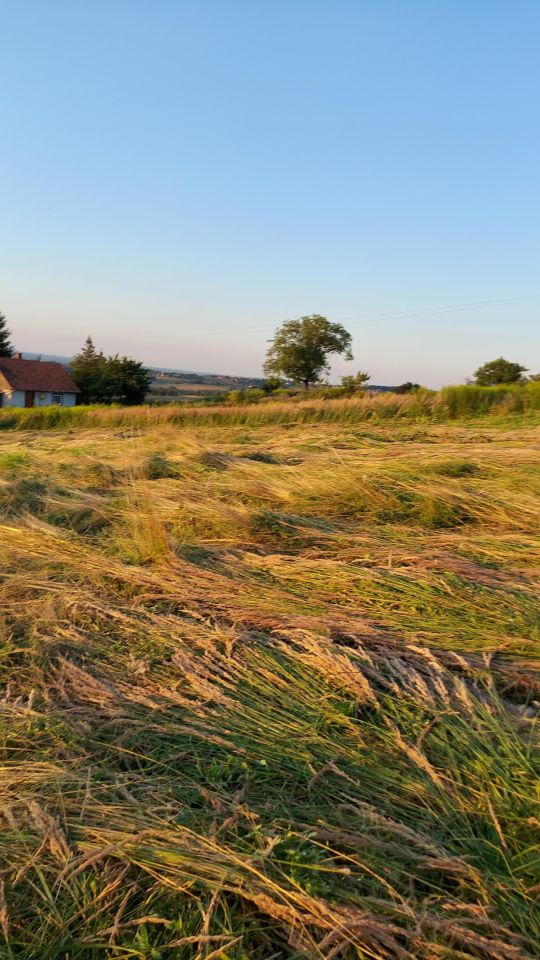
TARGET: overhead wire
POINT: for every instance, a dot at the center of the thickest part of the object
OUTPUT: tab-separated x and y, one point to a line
412	314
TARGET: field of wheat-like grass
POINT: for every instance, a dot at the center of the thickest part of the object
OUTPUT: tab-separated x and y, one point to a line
269	688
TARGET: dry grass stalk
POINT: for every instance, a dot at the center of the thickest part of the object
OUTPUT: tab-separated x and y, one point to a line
232	724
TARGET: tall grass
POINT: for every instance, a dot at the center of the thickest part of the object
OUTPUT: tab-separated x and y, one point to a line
450	403
471	400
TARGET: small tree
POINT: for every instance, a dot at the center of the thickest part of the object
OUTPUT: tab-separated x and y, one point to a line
358	382
300	349
6	350
499	371
272	383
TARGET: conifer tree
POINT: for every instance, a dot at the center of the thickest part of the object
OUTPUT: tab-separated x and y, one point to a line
6	350
87	369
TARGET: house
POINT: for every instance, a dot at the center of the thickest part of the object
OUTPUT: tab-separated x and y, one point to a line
35	383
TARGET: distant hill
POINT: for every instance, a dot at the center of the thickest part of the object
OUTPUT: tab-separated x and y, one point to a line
170	377
28	355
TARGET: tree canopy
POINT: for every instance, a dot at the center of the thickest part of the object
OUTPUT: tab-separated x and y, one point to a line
301	348
499	371
6	350
112	379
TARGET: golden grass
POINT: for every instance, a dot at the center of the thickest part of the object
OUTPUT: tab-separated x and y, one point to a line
269	691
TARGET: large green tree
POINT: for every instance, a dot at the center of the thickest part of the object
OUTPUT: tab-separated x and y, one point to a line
499	371
6	350
104	379
126	381
301	348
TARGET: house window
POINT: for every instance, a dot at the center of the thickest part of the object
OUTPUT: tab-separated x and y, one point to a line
58	398
42	397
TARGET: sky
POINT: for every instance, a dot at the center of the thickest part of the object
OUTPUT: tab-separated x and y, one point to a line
179	177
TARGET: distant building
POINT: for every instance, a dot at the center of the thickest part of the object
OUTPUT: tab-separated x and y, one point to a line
35	383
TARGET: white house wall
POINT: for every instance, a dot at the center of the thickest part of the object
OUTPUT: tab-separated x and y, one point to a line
18	399
68	399
14	399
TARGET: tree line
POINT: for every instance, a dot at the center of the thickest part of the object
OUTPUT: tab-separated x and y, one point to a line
301	350
100	379
300	353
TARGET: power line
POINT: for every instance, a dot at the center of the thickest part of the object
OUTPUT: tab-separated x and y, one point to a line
450	308
395	315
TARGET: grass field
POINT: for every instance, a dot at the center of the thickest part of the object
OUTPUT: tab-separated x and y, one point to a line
170	389
269	686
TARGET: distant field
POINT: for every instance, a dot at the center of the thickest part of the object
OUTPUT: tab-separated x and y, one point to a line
270	683
175	387
167	391
168	387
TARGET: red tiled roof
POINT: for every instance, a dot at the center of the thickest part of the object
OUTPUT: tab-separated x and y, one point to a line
42	375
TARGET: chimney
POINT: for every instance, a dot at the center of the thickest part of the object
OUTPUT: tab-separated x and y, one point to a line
17	356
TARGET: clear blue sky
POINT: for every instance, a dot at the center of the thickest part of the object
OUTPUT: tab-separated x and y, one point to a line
177	177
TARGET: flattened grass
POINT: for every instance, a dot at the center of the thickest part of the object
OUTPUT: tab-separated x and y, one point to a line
270	694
